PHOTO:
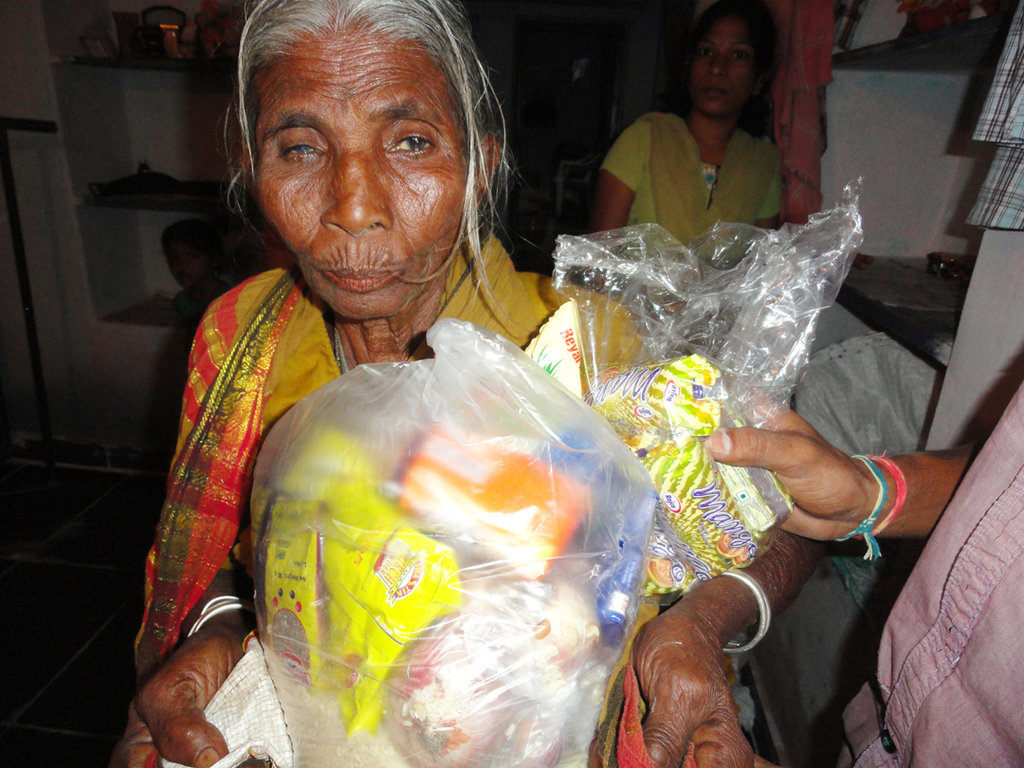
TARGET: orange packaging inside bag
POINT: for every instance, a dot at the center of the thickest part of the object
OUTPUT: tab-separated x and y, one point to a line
511	501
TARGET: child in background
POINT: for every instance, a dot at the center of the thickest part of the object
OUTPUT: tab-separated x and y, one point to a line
193	249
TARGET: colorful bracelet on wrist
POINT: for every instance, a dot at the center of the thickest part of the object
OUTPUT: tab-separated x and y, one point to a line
867	525
900	482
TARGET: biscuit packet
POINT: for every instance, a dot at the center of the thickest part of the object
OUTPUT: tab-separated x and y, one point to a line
678	339
711	517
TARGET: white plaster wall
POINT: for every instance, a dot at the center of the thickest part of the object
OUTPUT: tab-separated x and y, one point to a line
908	136
987	362
107	384
173	121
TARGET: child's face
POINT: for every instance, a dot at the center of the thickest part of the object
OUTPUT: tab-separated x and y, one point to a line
188	265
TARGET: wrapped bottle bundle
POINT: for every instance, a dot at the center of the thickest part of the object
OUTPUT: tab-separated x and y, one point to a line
450	554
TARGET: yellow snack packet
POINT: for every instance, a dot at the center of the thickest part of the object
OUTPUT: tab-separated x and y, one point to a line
385	587
679	396
347	584
718	518
556	347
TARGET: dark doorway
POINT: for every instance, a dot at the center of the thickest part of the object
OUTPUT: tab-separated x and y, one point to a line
566	95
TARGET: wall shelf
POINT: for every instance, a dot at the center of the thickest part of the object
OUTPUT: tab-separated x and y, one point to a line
211	66
960	48
180	203
899	296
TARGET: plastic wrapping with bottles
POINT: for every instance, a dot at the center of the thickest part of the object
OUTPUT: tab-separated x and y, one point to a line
450	555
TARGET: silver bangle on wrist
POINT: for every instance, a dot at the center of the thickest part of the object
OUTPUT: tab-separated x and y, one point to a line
216	606
764	611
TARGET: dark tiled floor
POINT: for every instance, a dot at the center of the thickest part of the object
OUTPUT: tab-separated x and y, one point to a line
72	546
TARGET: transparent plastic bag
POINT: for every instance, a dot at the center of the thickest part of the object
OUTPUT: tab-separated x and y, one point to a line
743	297
723	330
449	554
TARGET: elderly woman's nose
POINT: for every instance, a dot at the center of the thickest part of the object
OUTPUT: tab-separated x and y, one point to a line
360	199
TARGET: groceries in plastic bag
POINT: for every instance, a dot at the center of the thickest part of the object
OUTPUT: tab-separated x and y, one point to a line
724	328
450	554
711	517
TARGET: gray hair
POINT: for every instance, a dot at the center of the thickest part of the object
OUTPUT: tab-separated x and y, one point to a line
440	27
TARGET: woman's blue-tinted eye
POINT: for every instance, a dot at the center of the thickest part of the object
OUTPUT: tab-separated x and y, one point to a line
298	149
413	143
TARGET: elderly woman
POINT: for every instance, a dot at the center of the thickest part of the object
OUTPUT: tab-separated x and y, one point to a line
371	143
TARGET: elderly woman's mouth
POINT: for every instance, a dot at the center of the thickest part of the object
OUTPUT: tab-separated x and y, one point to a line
361	280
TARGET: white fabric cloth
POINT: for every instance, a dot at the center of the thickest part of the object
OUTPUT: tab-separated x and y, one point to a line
885	394
248	713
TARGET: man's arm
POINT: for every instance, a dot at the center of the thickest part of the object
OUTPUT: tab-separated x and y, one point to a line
834	493
678	655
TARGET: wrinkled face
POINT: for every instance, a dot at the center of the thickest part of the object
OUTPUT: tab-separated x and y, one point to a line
359	170
723	75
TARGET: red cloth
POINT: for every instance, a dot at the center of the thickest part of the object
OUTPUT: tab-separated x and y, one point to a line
208	486
798	89
631	750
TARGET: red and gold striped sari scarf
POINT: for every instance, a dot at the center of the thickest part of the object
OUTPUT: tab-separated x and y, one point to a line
210	479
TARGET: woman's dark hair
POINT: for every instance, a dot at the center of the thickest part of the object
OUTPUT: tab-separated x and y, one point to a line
760	27
196	234
763	36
